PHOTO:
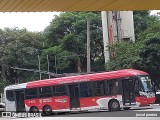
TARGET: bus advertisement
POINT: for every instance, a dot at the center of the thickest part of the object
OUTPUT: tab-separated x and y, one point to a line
115	90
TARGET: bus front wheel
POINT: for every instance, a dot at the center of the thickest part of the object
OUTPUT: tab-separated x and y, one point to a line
47	110
114	105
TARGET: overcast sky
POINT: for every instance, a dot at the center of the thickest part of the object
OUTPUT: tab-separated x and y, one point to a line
32	21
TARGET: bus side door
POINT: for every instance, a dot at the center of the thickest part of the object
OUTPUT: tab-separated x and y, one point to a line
128	92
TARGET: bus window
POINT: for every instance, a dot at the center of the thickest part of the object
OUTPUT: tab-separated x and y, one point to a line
113	87
146	82
99	88
119	87
45	92
31	93
10	95
59	90
85	89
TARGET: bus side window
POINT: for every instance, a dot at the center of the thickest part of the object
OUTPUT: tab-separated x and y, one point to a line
113	87
31	93
45	92
85	89
99	88
119	87
59	90
10	95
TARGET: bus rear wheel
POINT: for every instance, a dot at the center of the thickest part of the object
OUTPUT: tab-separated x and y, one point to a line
47	110
34	110
114	105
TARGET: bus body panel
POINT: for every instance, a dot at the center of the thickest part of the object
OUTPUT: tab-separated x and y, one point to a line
99	102
11	105
85	78
141	101
56	103
63	103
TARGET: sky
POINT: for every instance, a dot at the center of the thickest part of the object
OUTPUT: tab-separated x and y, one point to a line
32	21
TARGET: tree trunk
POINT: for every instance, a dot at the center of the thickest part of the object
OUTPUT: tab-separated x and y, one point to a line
79	66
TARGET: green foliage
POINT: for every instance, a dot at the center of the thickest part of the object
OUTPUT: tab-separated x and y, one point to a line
64	42
68	31
150	54
144	54
124	55
2	85
142	21
18	48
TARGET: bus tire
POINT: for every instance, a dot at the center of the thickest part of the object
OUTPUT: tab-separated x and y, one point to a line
126	108
114	105
34	109
47	110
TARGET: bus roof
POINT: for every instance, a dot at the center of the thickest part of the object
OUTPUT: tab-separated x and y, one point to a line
87	77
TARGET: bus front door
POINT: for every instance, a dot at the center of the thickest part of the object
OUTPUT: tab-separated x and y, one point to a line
128	92
74	97
20	106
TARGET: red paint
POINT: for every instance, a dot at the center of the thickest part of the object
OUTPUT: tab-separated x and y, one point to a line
91	101
56	103
88	77
145	101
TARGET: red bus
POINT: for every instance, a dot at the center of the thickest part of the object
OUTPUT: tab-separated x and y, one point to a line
108	90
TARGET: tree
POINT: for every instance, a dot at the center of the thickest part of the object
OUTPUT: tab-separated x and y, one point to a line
125	55
142	21
150	57
68	31
144	54
18	48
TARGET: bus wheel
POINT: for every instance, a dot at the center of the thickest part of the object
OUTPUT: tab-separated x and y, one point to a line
34	110
126	108
114	105
47	110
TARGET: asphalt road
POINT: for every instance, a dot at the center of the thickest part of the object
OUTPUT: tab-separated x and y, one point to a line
133	114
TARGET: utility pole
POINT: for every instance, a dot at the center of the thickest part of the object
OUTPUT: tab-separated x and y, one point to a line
104	15
48	66
88	46
39	65
55	63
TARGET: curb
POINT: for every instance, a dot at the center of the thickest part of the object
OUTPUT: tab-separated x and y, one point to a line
155	105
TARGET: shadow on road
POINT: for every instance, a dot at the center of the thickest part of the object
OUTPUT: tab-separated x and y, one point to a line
99	113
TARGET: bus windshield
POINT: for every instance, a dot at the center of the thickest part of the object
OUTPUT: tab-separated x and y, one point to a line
146	82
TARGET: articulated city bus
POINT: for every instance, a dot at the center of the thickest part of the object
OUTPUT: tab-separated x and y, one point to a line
108	90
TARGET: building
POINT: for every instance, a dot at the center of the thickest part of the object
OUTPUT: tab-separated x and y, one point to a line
118	26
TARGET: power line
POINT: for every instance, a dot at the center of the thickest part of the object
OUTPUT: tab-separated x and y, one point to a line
34	70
